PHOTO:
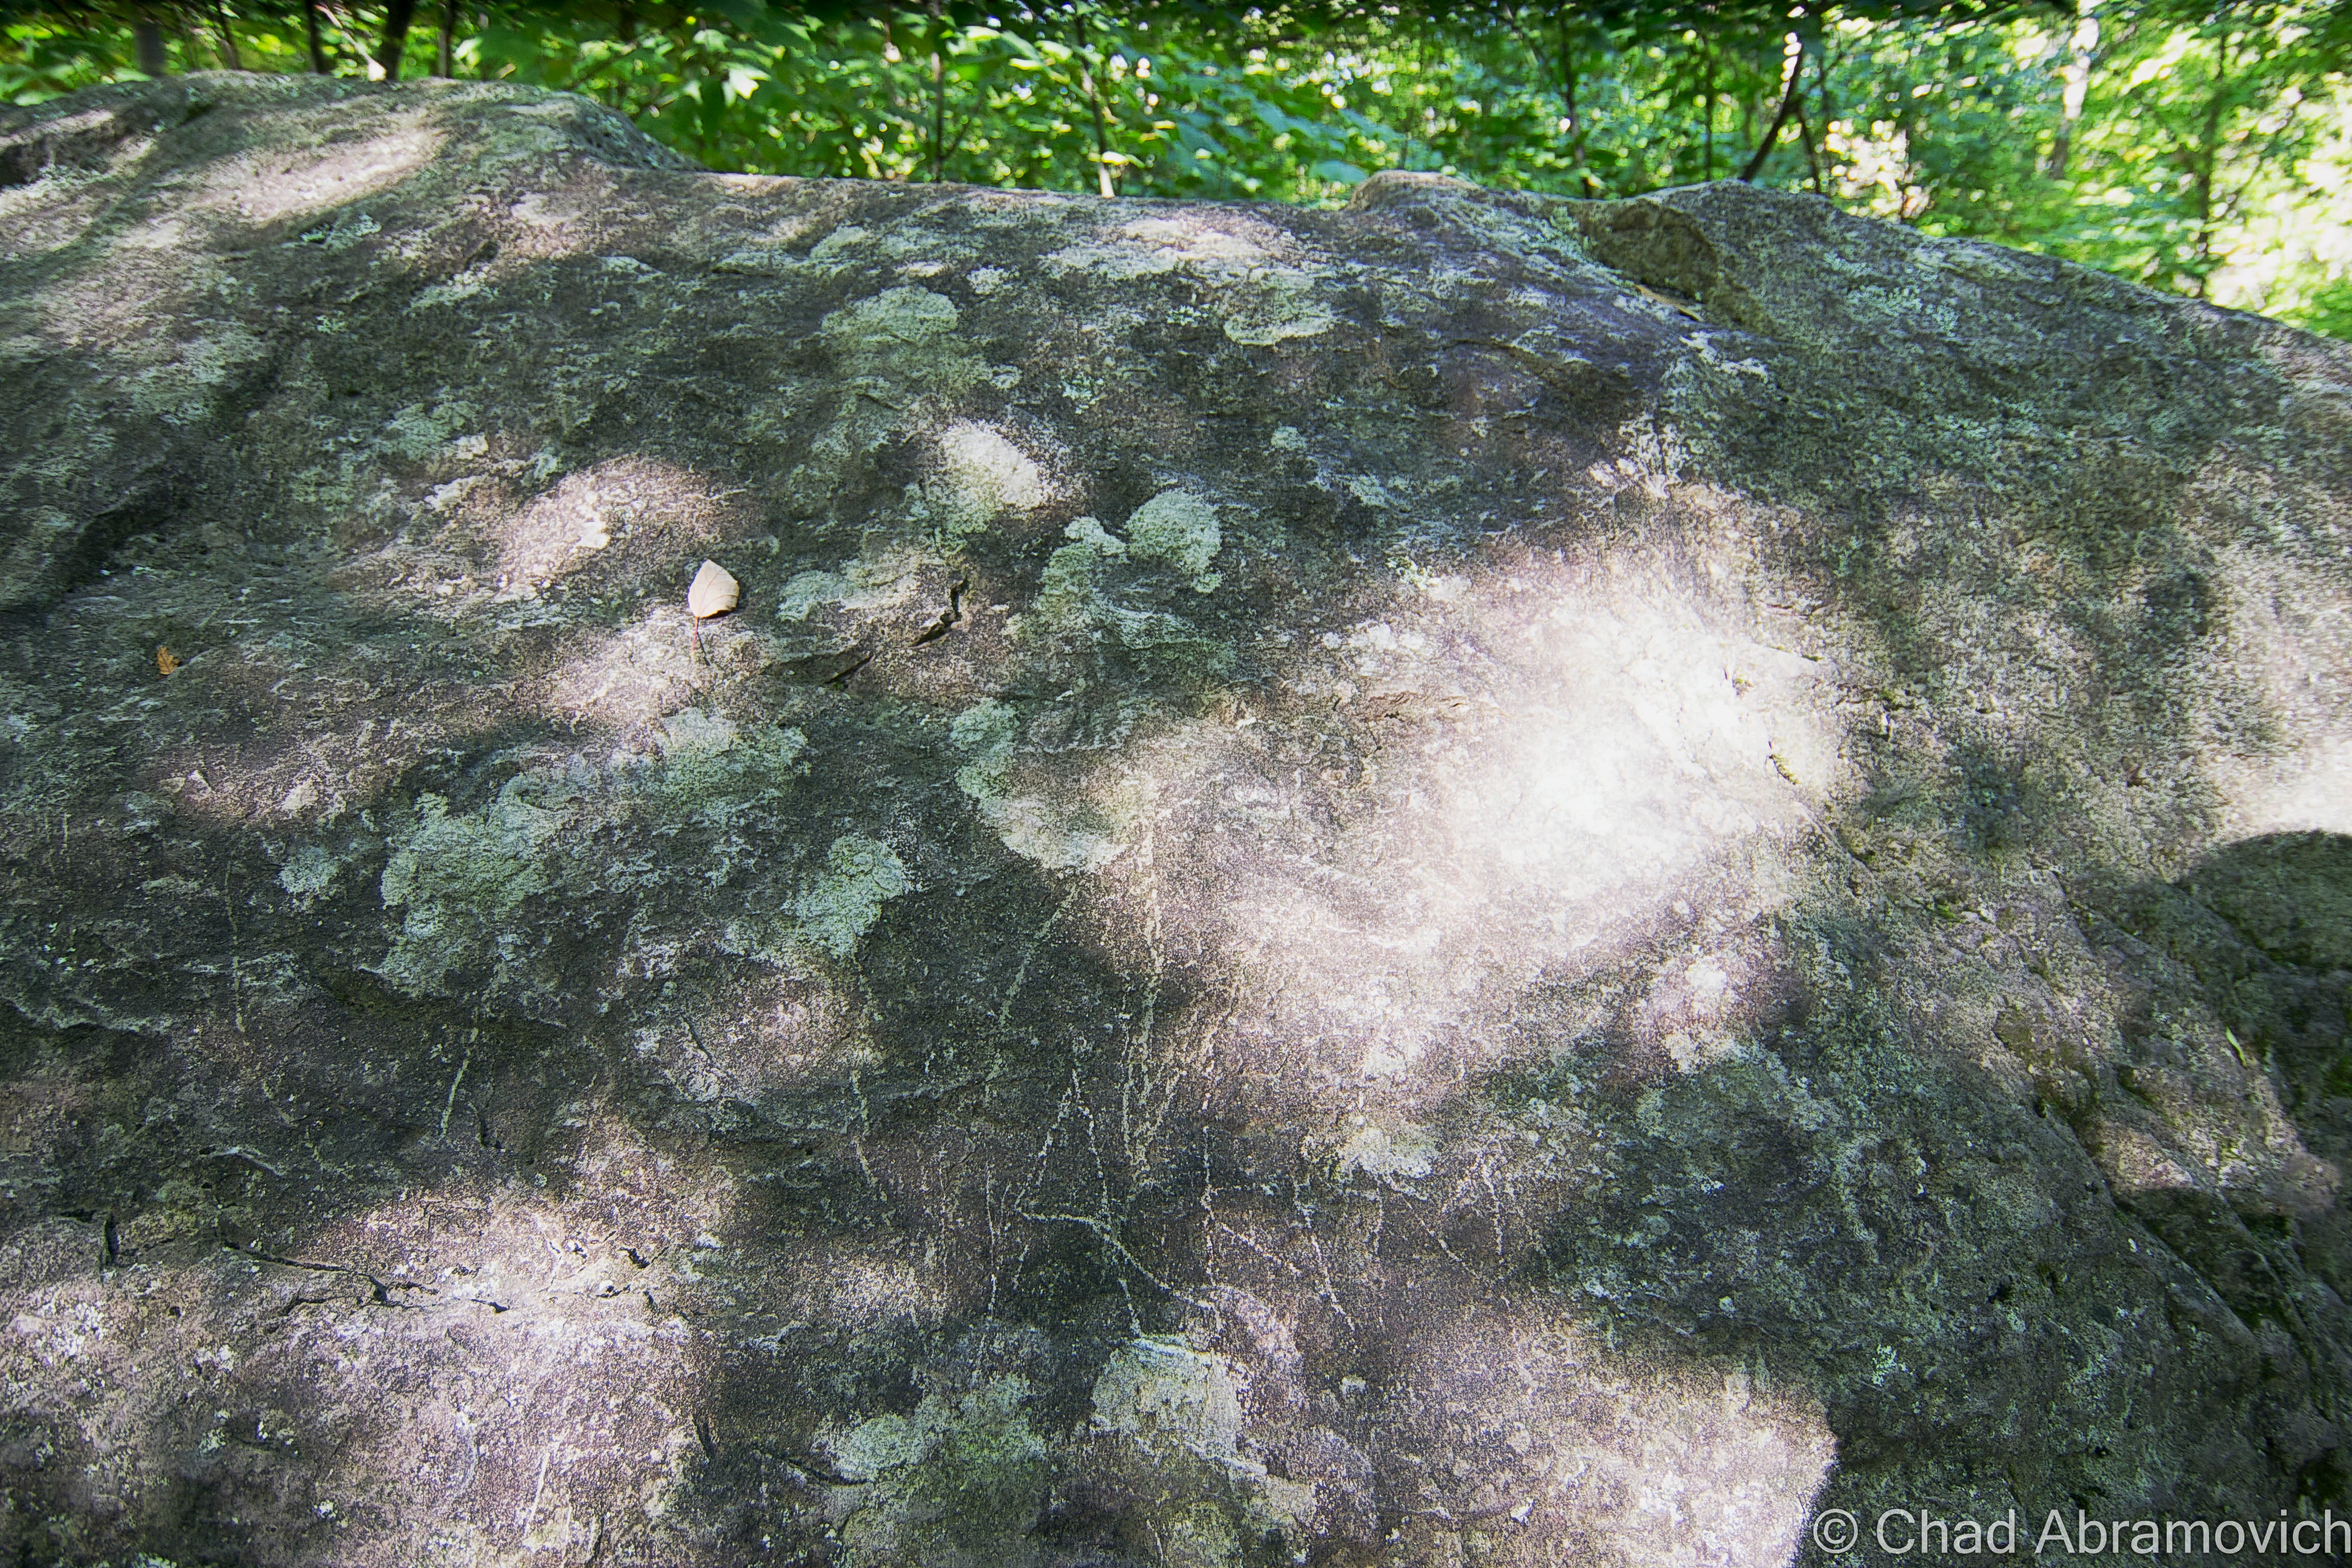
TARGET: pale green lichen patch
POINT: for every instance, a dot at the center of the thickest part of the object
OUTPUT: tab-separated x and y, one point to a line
417	432
713	771
460	879
984	733
842	905
894	350
959	1478
1091	581
309	873
894	316
887	580
1179	528
1062	828
1181	1415
1277	307
1069	597
1403	1152
881	1444
182	389
830	250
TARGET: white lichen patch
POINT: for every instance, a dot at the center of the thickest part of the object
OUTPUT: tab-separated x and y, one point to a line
1400	1153
889	580
842	905
1171	1398
1057	835
1065	829
1152	246
980	474
1715	359
1261	287
553	531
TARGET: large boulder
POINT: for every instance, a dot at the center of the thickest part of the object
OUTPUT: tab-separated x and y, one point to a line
1475	881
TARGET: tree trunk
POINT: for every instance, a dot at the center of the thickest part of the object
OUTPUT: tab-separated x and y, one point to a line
1817	150
1575	127
1748	107
396	17
229	55
2076	74
448	38
310	26
148	40
2208	169
1568	100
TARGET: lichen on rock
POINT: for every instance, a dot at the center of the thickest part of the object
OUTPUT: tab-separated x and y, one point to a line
860	876
458	880
1092	585
1476	879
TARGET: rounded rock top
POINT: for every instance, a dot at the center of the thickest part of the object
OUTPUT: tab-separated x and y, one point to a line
713	592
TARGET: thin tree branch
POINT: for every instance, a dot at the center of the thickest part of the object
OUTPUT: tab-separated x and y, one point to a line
1773	132
1094	102
938	96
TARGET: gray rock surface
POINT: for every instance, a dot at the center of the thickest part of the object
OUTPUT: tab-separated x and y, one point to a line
1476	880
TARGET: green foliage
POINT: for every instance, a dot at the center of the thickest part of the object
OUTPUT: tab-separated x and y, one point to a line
2205	148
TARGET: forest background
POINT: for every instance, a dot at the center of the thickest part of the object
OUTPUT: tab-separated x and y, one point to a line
2198	147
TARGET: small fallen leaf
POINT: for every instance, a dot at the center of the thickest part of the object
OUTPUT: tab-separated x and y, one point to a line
166	661
713	592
